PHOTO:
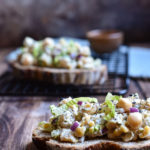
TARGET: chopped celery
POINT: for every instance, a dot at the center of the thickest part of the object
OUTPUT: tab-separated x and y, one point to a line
110	109
97	127
37	50
56	111
109	96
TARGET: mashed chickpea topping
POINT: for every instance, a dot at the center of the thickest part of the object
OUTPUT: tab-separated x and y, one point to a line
63	53
77	119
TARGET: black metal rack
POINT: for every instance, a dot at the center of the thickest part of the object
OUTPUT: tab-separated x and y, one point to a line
118	82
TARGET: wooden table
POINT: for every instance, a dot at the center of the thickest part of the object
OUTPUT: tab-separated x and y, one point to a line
19	116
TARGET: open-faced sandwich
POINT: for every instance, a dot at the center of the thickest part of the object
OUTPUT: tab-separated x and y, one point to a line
58	61
84	124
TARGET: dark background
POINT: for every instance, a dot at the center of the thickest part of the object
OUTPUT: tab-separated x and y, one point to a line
40	18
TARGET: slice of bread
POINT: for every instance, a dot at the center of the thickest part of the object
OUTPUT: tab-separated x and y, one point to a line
43	141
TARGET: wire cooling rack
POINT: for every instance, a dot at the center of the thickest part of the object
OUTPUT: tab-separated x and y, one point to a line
118	82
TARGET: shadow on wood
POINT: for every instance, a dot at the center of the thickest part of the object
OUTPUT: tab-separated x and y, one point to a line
31	146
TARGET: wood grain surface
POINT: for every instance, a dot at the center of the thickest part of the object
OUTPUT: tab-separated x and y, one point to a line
19	116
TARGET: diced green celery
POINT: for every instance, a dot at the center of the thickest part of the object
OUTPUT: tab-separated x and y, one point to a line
72	102
109	96
97	127
37	49
56	59
56	111
110	109
86	99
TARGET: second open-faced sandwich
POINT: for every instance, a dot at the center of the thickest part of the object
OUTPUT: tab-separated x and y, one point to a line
83	123
59	61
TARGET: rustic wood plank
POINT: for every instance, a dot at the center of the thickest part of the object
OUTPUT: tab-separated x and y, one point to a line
145	85
134	89
17	120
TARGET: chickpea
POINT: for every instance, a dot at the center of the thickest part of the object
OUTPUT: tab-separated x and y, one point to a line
125	103
48	42
62	42
134	120
45	60
27	59
85	51
28	42
64	62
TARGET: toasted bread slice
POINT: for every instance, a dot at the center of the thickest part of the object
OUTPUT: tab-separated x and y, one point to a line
43	141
